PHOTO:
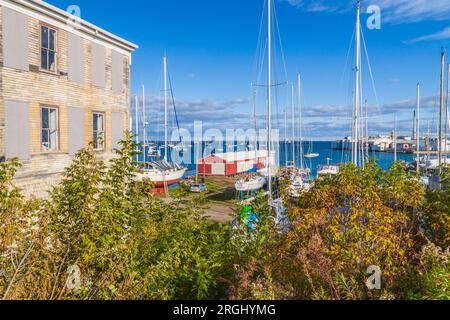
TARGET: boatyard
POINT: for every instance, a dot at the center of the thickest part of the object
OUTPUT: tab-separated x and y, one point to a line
183	164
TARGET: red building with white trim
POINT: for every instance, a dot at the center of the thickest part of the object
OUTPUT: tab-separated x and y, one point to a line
231	164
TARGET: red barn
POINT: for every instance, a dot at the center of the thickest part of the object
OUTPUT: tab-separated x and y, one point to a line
231	164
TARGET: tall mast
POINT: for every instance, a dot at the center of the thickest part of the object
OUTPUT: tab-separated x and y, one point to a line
446	114
144	124
357	83
136	122
269	96
418	128
300	107
286	158
395	137
367	132
255	123
441	115
166	109
293	124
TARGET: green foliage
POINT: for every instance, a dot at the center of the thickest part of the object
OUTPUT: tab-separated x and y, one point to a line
129	244
182	256
436	212
428	276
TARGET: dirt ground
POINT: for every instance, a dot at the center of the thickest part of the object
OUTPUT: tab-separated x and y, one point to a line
220	212
221	196
222	199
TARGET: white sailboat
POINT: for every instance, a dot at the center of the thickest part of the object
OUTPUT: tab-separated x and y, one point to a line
357	152
328	169
311	154
162	173
252	183
299	176
298	186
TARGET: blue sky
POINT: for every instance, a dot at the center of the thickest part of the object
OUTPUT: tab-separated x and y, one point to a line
211	47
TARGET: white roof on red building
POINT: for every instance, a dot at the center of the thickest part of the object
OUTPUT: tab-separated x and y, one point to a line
239	156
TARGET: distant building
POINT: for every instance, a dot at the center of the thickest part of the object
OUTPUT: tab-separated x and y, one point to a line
63	84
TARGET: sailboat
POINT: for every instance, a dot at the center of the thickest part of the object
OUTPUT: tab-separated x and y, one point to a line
330	169
162	173
298	178
311	154
252	182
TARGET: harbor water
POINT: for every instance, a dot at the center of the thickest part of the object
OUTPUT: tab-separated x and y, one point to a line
186	156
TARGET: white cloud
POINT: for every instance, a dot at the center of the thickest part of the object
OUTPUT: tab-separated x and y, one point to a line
317	5
441	35
393	11
407	11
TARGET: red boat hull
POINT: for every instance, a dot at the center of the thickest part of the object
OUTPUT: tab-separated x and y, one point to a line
169	183
160	186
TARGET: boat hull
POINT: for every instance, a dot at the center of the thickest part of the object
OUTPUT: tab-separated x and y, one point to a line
253	185
162	179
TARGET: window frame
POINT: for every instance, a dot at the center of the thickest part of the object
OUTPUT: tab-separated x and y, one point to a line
58	131
49	27
103	147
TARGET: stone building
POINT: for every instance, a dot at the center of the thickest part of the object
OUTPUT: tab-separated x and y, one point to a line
64	83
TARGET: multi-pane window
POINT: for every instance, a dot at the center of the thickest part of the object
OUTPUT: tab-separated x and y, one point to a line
49	125
48	48
98	129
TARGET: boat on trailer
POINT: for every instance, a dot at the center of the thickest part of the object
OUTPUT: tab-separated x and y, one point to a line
252	183
162	173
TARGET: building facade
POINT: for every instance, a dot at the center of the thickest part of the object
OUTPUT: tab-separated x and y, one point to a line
64	83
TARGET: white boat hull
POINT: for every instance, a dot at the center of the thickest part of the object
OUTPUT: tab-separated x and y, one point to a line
162	178
251	185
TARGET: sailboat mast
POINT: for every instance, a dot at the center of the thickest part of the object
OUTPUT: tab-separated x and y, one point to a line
144	133
269	97
300	123
136	121
418	129
441	115
367	131
285	138
293	124
166	108
357	87
255	123
446	114
395	138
